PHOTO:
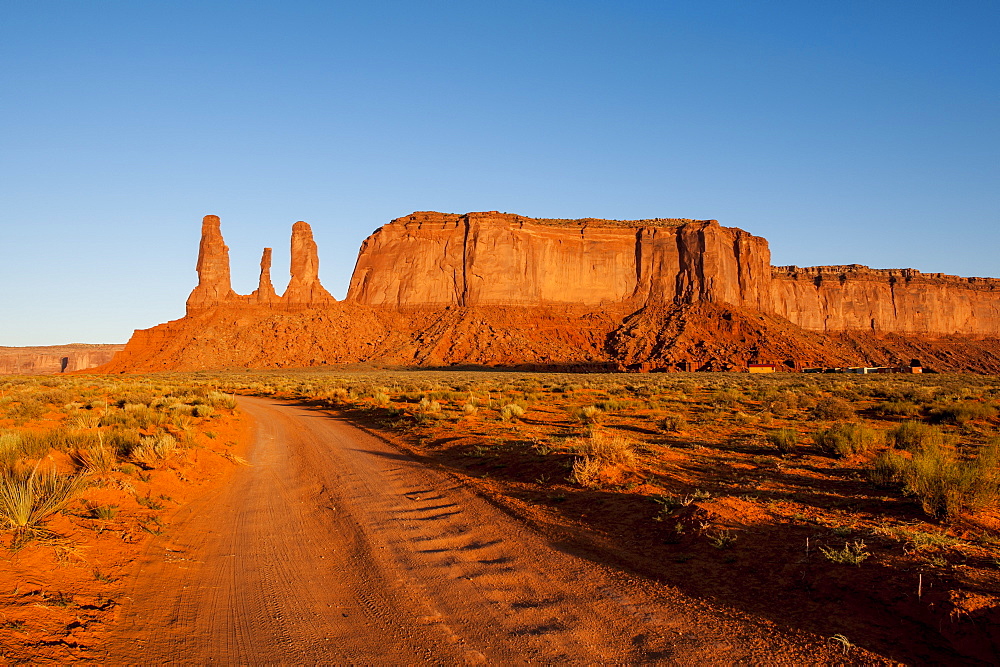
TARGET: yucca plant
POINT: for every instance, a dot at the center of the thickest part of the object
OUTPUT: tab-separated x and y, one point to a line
29	498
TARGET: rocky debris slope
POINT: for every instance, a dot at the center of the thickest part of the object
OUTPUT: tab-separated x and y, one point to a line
54	358
435	289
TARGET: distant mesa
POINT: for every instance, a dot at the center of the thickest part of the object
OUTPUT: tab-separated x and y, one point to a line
503	290
49	359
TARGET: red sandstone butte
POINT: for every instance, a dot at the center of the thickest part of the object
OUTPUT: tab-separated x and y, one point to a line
436	289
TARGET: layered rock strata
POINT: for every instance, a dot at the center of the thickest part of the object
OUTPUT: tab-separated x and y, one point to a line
902	301
496	259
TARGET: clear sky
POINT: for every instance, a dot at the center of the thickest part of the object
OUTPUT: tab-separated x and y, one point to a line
843	131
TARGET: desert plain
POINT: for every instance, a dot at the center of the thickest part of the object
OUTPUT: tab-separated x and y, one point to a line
515	441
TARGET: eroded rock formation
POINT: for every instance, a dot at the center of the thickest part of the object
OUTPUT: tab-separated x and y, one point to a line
304	288
214	288
436	289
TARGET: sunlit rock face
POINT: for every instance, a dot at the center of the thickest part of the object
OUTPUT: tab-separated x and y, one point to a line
499	259
503	290
214	289
904	301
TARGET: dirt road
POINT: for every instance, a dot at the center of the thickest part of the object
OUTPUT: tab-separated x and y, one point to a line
334	547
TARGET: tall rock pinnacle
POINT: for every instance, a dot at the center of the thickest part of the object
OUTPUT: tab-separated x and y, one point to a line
214	285
304	287
265	289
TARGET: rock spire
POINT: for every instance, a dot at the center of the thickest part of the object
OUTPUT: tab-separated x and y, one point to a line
304	286
214	287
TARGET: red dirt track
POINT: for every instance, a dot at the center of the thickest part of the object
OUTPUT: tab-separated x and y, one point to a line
332	546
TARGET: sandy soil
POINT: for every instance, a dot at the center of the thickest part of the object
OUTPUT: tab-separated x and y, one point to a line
333	546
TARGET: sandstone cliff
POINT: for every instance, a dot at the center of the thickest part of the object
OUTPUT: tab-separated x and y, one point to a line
903	301
497	259
435	289
54	358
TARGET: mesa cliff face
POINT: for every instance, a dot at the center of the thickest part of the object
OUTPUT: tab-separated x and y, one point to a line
497	259
436	289
906	301
54	358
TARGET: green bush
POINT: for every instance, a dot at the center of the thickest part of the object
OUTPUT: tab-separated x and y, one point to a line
848	439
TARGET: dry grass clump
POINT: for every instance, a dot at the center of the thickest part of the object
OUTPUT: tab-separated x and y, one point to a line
944	485
587	414
833	409
962	412
784	439
598	452
913	436
28	498
848	439
511	412
606	446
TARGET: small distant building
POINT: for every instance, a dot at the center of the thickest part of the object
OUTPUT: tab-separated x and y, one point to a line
763	368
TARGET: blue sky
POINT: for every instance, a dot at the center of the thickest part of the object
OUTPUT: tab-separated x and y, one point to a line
843	132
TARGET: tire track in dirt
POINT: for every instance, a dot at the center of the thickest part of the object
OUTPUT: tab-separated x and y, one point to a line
334	547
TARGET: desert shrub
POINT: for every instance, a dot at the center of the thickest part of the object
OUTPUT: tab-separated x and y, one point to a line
944	485
99	458
898	409
26	410
381	398
510	412
218	399
833	409
152	450
587	471
29	498
962	412
784	439
888	468
914	436
848	439
84	419
606	447
853	553
203	411
672	424
587	414
428	406
610	405
470	409
727	397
